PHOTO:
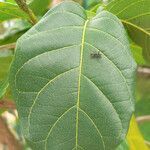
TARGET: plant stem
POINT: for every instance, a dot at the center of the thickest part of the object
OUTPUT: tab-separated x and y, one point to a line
22	4
143	119
144	70
8	46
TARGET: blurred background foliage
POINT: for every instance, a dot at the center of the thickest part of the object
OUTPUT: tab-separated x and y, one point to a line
14	22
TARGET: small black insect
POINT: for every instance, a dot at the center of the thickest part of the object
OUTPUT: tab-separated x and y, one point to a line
96	55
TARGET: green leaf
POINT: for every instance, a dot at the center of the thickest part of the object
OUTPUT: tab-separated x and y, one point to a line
5	60
123	146
67	99
135	138
3	86
94	4
135	15
10	1
39	7
10	11
137	54
87	4
13	1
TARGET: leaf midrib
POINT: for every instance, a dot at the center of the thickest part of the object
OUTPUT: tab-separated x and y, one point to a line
79	82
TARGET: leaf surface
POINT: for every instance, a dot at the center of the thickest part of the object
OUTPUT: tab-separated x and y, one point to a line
66	99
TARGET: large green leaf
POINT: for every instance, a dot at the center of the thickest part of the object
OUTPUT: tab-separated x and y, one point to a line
10	11
135	15
67	99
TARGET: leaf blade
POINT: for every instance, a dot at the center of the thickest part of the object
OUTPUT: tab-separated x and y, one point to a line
66	65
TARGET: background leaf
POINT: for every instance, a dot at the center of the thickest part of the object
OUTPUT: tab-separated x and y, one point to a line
39	7
135	138
143	103
87	4
44	5
5	60
137	54
10	11
13	32
3	87
135	15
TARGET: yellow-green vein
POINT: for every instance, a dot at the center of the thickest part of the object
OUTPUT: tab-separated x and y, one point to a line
51	129
140	15
131	4
35	100
135	26
94	126
79	82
